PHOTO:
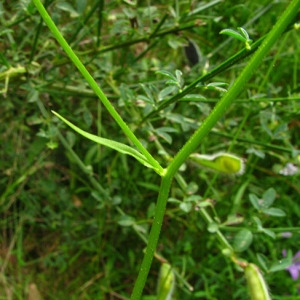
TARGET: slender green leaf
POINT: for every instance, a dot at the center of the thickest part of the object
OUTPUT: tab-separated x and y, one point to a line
186	206
254	201
269	232
167	91
263	261
68	8
275	212
281	265
193	97
126	221
122	148
167	74
269	197
233	34
212	227
244	33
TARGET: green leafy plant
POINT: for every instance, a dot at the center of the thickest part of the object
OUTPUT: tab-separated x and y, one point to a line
190	146
264	205
81	199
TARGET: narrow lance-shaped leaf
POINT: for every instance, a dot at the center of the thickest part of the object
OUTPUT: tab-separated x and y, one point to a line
244	33
120	147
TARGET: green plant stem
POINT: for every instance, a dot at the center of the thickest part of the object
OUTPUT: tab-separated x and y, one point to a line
153	237
81	24
36	37
198	136
203	212
100	21
278	230
95	87
205	215
158	26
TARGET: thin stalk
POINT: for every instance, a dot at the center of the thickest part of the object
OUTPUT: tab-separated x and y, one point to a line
198	136
205	215
96	88
183	185
81	24
153	237
100	21
36	37
255	142
247	100
239	129
223	241
158	26
278	230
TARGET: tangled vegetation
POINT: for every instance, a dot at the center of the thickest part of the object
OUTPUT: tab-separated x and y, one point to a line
186	119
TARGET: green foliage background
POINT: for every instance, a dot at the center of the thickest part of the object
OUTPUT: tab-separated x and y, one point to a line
75	215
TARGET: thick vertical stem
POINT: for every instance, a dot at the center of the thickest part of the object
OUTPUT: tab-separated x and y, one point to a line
153	237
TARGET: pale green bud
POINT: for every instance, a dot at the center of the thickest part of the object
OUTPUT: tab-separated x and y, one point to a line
166	282
256	283
222	162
